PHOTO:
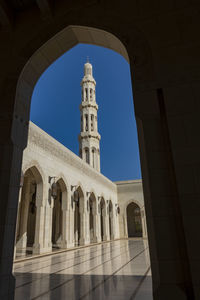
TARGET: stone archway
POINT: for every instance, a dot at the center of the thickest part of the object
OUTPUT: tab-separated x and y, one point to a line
134	220
79	210
57	218
172	147
29	203
58	215
92	218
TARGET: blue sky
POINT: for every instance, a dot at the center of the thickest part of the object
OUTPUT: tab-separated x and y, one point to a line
57	96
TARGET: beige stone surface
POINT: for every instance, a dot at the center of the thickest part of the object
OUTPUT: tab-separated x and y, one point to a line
130	191
160	39
50	158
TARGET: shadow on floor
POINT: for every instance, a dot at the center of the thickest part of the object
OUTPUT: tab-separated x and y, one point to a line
71	286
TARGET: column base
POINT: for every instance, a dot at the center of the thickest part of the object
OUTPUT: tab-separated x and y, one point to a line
70	245
99	239
112	237
22	242
65	245
83	242
38	249
105	238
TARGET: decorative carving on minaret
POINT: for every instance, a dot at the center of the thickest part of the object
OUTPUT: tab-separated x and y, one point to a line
89	137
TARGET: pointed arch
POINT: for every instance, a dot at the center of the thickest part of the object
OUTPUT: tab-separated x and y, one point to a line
59	214
79	210
29	204
134	220
93	218
130	201
34	164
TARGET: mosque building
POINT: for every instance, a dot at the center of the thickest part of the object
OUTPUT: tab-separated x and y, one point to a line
64	199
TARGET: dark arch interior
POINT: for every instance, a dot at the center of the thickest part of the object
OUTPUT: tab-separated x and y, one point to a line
57	217
134	221
26	222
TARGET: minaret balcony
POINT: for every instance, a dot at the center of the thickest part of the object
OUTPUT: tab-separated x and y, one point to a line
88	78
88	104
90	134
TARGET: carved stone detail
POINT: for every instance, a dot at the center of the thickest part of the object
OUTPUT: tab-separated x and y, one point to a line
39	138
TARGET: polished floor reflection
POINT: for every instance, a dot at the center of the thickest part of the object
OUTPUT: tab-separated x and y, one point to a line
115	270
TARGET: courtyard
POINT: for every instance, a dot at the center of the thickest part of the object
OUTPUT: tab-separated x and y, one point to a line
111	270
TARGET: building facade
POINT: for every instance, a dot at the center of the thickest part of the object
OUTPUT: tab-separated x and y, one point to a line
64	199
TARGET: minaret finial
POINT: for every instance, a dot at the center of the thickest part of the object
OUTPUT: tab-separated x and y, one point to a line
88	59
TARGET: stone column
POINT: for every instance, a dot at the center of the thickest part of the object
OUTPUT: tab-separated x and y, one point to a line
17	221
10	170
18	212
95	227
111	227
70	229
47	242
48	221
117	220
98	222
83	231
65	219
23	219
114	223
106	234
169	151
13	138
143	220
125	225
87	223
38	246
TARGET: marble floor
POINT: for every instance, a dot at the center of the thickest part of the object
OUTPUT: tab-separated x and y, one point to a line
116	270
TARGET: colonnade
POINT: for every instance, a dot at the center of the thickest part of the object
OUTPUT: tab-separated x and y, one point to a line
55	215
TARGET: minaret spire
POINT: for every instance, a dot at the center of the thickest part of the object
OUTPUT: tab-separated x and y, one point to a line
89	137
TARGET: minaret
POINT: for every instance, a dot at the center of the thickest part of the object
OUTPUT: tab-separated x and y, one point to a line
89	137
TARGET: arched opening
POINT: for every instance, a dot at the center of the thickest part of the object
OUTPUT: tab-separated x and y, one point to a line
57	216
87	155
92	122
134	221
86	122
149	127
78	215
102	219
30	199
110	210
78	212
34	69
94	158
92	218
